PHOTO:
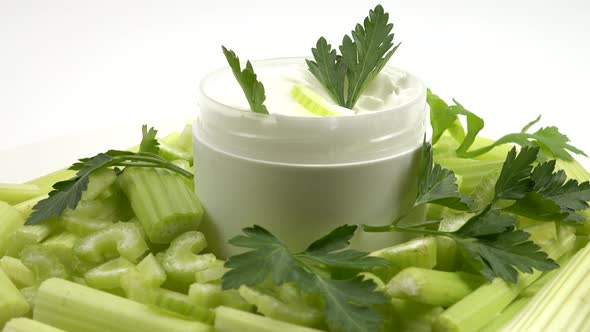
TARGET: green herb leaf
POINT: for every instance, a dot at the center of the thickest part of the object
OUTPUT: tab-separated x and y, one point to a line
253	89
67	194
347	301
515	180
492	245
362	57
149	143
438	185
443	119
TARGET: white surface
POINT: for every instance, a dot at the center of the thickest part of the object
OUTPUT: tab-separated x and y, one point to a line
71	66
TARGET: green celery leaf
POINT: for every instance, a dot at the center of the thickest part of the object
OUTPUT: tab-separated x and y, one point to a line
438	185
474	125
347	301
149	143
492	246
515	180
252	87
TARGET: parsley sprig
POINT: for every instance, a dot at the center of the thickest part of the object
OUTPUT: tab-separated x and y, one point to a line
66	194
361	58
252	87
326	268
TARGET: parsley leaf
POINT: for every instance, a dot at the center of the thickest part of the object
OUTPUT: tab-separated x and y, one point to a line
438	185
347	301
252	87
361	58
491	244
67	194
515	180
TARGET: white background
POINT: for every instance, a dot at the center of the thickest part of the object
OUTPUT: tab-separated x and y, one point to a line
97	68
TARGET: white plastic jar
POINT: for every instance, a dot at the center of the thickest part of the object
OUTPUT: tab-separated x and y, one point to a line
300	177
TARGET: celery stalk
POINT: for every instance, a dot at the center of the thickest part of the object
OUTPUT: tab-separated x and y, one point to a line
162	202
121	239
413	316
231	320
512	310
28	325
44	263
212	274
84	226
180	304
10	221
74	307
28	235
13	193
437	288
212	296
447	254
17	272
12	302
26	208
420	252
98	182
152	271
182	259
46	182
108	275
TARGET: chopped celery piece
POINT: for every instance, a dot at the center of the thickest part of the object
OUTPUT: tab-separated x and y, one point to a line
179	304
562	304
98	182
212	296
74	307
311	101
84	226
231	320
420	252
413	316
44	263
121	239
29	235
477	309
10	221
13	193
212	273
12	302
46	182
181	261
136	286
26	208
447	254
162	202
62	245
173	152
152	271
271	306
437	288
28	325
17	272
108	275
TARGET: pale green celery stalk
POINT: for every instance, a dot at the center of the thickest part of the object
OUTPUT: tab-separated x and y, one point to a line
83	226
108	275
212	296
28	325
13	193
182	260
28	235
162	202
211	274
26	208
10	221
436	288
17	272
270	306
232	320
470	170
62	245
152	271
74	307
512	310
98	182
447	254
180	304
481	306
12	302
121	239
420	252
536	286
46	182
413	316
562	304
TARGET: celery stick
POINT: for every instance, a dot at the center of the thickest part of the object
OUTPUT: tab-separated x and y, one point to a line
152	271
481	306
12	302
212	296
83	226
98	182
13	193
447	254
121	239
46	182
162	202
437	288
420	252
181	261
512	310
26	208
211	274
10	221
536	286
74	307
231	320
17	272
270	306
108	275
62	245
28	325
179	304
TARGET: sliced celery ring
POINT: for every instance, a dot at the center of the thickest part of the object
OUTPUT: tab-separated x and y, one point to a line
311	101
